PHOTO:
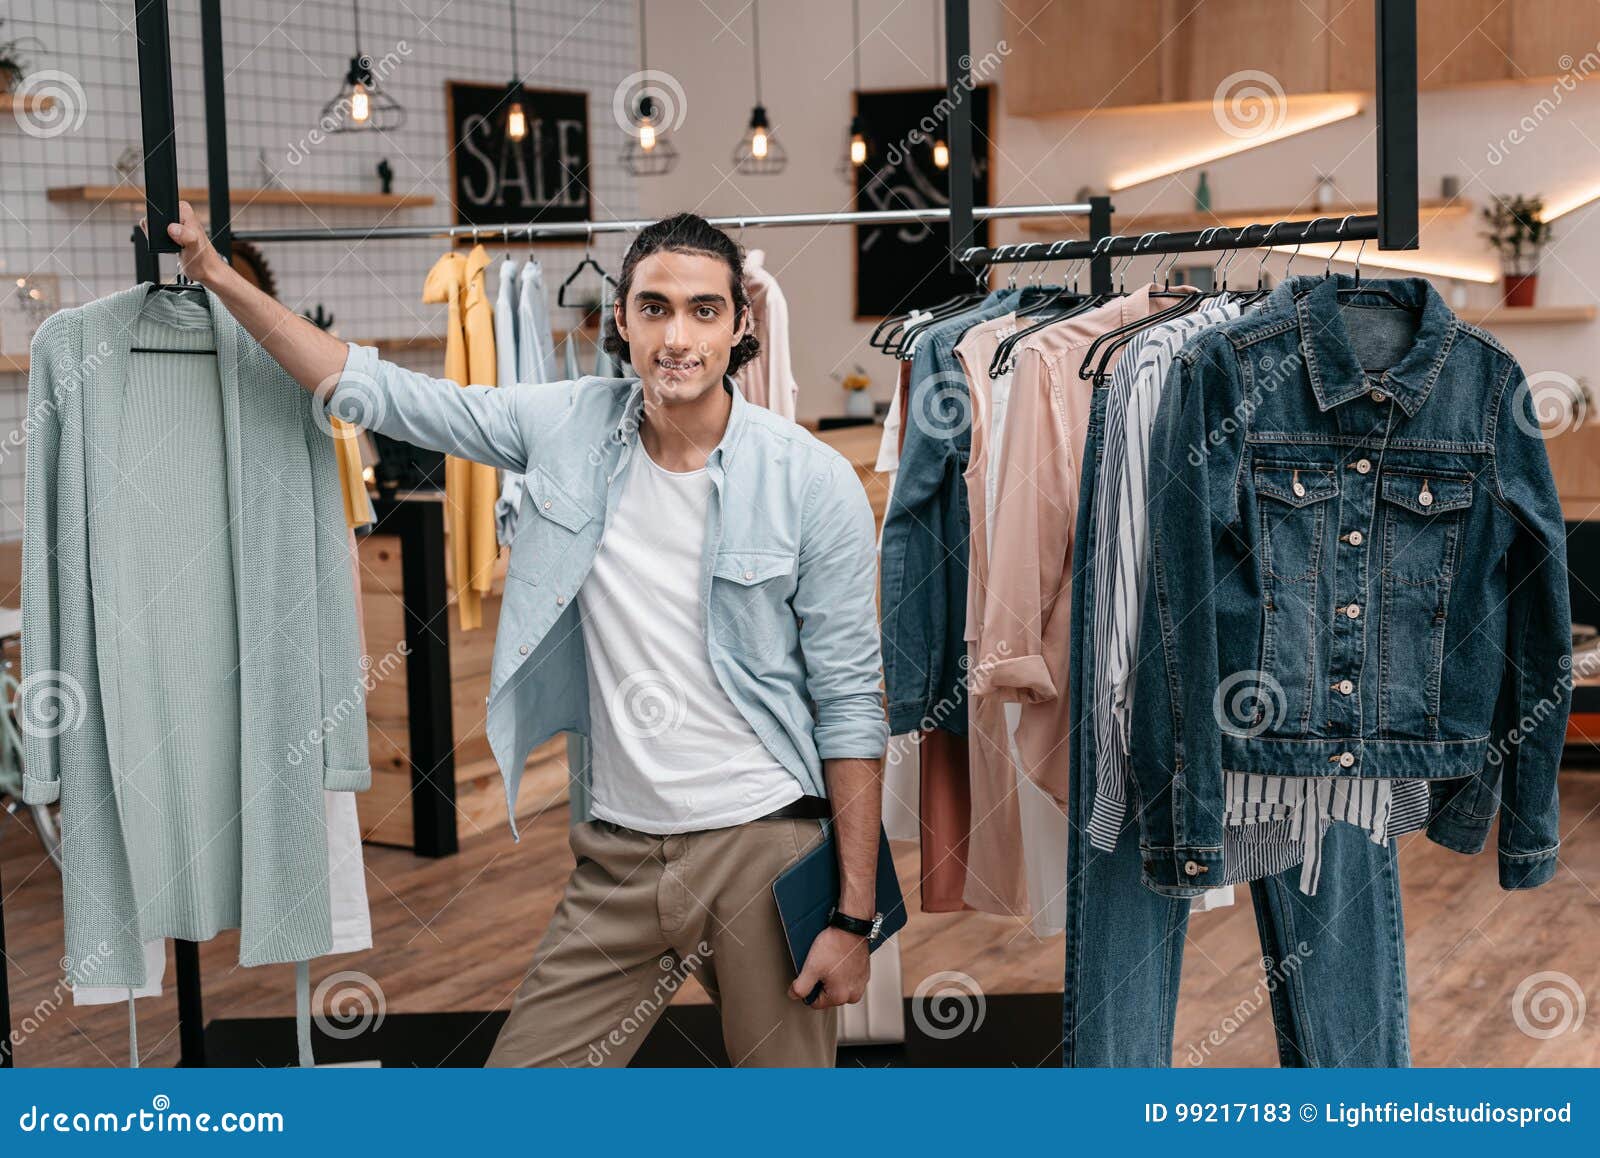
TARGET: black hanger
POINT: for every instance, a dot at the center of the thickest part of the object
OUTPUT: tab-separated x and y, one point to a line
1073	304
182	284
588	262
898	342
886	331
1116	339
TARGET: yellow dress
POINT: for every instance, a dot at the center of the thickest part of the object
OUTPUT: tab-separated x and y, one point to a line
470	487
358	510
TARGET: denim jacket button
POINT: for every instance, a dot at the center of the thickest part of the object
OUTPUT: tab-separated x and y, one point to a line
1363	465
1347	759
1345	687
1353	611
1191	868
1355	538
1426	498
1379	396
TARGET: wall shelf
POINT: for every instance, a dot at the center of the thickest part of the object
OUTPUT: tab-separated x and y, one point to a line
244	198
1527	315
28	104
1068	227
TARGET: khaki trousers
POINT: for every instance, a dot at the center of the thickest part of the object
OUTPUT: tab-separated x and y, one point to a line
642	912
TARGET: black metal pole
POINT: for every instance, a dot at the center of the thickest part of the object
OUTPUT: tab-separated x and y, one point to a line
155	111
191	1014
1398	210
216	127
1289	233
6	1061
1100	228
957	63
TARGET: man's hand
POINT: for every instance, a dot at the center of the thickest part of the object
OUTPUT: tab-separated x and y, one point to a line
198	260
840	961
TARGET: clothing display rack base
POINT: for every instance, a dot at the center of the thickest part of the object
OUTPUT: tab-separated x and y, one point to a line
998	1031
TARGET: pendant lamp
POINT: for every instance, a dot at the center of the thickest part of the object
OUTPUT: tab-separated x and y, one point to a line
758	152
858	148
360	104
657	109
516	115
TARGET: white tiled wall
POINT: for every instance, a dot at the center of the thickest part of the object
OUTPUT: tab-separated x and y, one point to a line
285	59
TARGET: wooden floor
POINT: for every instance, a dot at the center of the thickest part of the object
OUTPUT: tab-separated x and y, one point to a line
456	934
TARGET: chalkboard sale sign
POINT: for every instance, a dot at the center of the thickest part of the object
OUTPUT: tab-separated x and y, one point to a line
495	180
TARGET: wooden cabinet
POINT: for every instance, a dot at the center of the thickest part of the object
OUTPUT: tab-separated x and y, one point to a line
1086	54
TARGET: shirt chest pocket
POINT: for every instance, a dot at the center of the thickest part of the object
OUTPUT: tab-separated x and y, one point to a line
1294	504
553	523
1422	517
750	591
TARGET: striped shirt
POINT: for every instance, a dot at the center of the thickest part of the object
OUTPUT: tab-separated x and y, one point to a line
1272	822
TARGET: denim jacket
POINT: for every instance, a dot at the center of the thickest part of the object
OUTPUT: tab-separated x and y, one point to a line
788	574
1352	573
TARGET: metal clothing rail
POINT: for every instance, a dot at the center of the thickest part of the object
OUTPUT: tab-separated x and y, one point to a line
546	231
1362	227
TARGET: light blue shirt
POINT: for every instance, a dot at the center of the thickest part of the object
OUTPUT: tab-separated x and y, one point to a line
788	576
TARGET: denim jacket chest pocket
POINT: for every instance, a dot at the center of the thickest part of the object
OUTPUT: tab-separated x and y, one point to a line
561	521
1296	504
1293	507
1419	535
750	592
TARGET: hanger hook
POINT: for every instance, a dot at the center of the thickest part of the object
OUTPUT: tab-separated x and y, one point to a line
1266	252
1304	233
1359	252
1327	269
1230	254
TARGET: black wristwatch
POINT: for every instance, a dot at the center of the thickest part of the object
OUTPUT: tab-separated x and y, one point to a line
860	926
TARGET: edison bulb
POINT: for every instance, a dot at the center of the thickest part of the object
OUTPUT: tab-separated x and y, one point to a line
858	150
647	135
516	122
758	144
360	104
941	155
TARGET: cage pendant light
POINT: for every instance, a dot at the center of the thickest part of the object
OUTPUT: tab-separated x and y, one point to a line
648	122
516	115
758	152
360	104
858	149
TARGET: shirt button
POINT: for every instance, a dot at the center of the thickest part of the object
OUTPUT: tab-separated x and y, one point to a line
523	650
1353	611
560	599
547	504
1363	466
1347	759
749	574
1346	687
1356	538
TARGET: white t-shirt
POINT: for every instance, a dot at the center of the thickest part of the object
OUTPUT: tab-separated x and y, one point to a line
670	751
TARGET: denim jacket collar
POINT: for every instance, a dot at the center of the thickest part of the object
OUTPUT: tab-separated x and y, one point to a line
1336	376
628	426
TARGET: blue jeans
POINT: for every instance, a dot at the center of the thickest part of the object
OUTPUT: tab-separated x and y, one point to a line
1334	962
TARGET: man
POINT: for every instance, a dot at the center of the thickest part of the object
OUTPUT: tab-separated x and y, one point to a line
692	589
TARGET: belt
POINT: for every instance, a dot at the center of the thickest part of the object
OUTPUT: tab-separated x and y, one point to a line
805	808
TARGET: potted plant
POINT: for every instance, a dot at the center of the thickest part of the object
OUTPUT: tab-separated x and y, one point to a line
1518	232
13	64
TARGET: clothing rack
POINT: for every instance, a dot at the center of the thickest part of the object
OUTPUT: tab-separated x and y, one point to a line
432	764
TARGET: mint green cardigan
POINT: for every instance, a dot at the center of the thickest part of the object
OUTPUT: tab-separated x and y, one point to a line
301	720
